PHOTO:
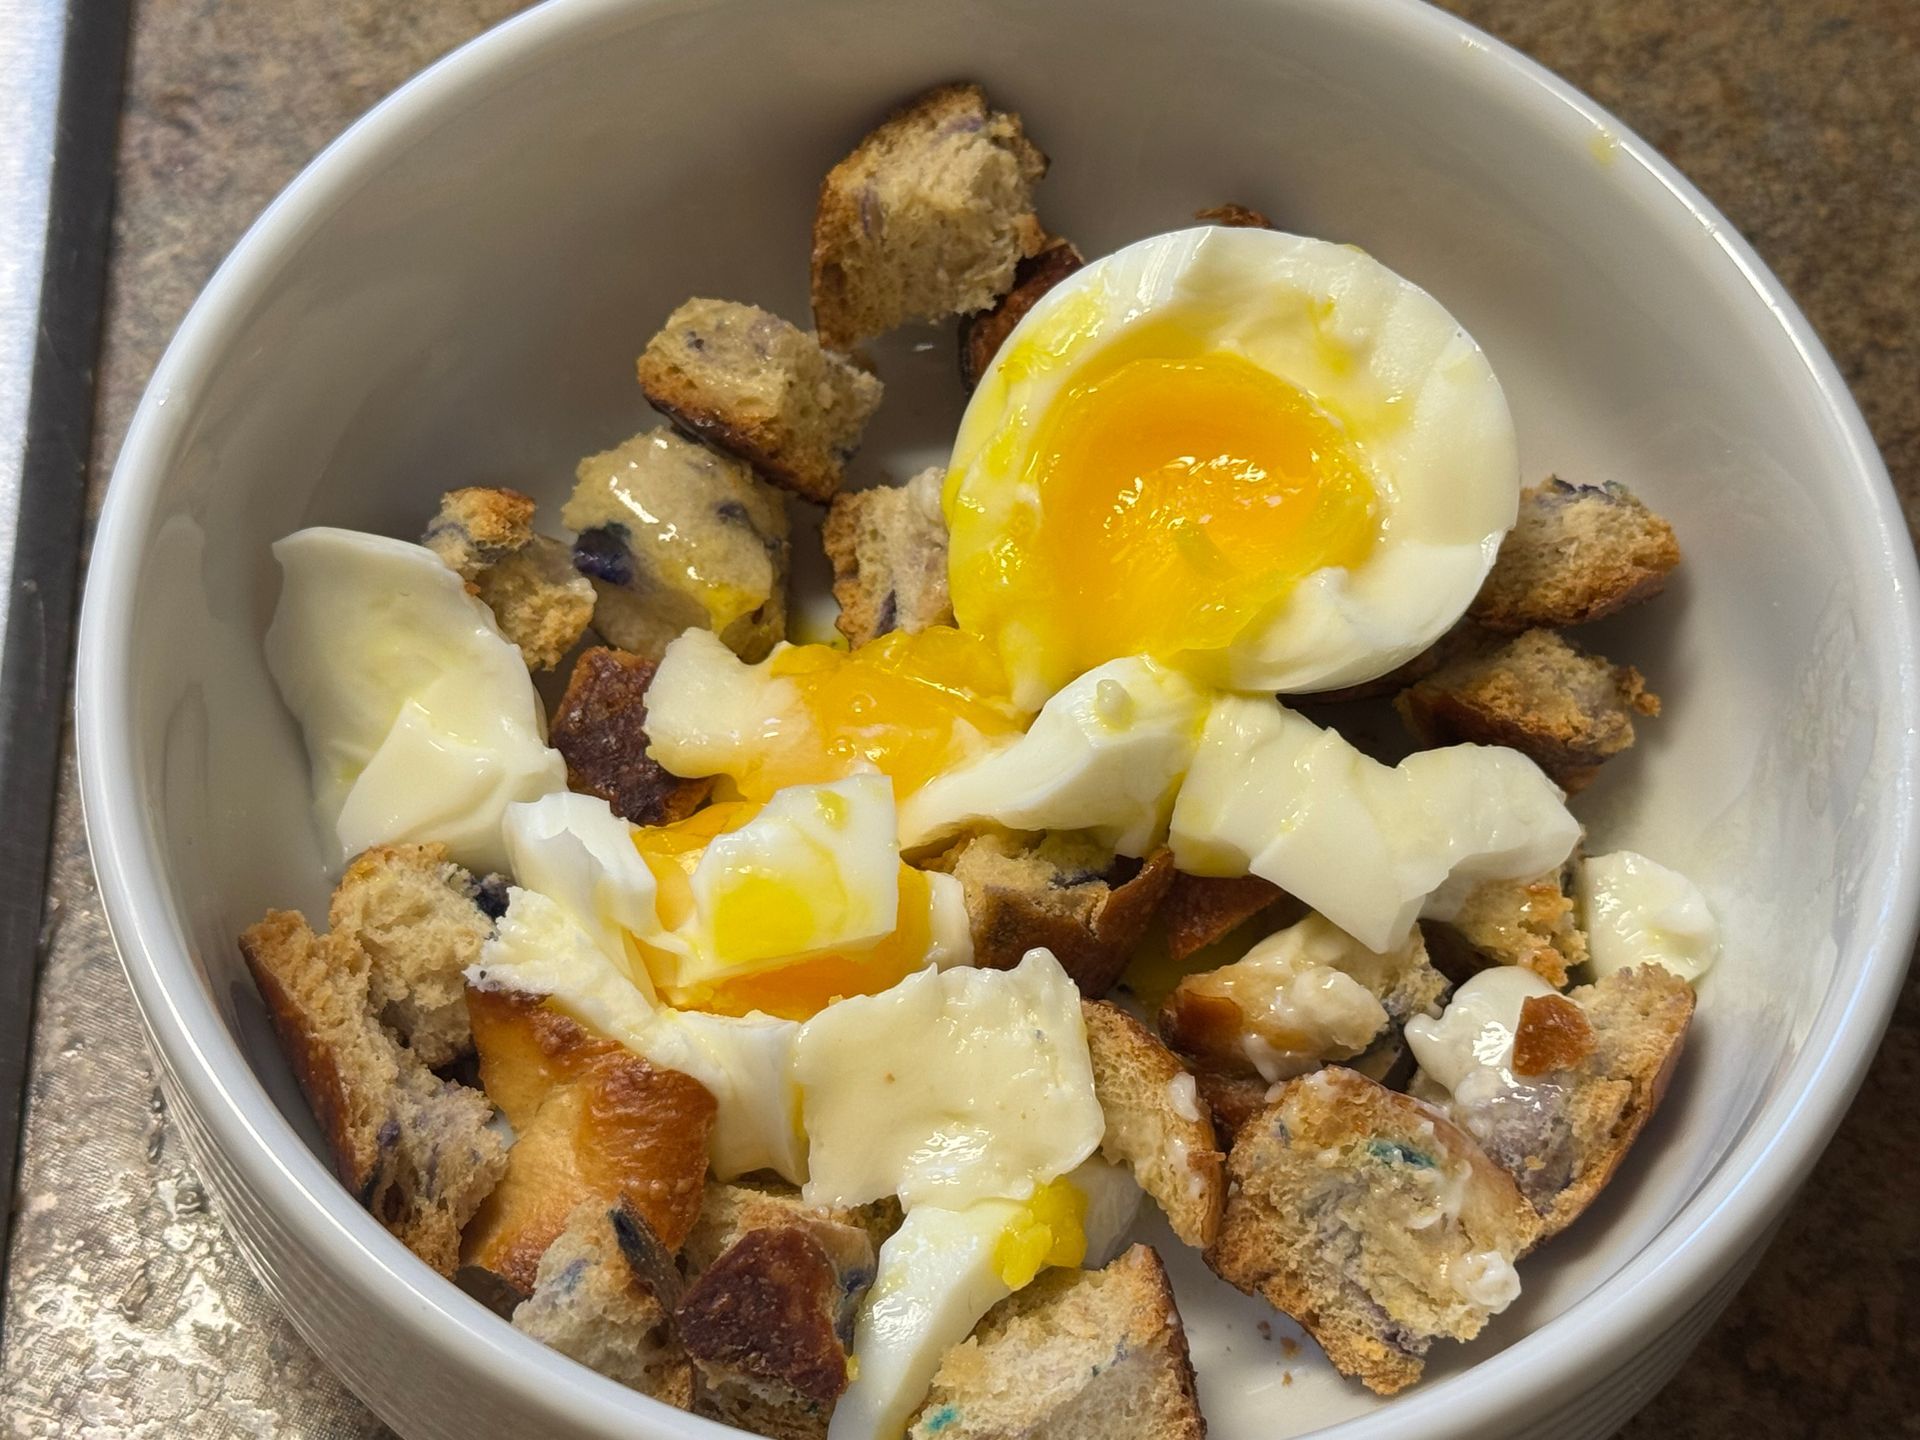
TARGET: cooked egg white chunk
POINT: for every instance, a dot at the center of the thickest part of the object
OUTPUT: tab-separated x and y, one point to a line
1366	845
420	720
1468	1049
1637	910
574	850
944	1269
1103	755
1266	457
745	1063
952	1087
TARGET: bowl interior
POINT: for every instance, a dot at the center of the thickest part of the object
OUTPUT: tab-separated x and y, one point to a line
463	307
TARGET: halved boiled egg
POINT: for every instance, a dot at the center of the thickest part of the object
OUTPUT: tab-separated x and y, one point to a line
1266	458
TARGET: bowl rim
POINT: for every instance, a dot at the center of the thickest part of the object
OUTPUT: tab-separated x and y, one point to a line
1681	1264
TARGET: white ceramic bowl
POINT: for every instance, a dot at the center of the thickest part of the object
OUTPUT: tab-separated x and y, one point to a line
455	291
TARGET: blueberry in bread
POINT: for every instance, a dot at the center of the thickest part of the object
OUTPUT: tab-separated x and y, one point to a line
416	1150
1538	693
600	730
746	381
541	603
675	535
1577	553
888	548
982	334
1374	1221
1077	1355
927	217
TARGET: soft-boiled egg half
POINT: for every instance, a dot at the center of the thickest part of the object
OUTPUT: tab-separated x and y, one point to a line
1266	458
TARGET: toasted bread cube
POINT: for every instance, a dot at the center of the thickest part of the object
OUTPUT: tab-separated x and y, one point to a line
1155	1126
1577	553
414	1149
1531	923
1232	1100
927	217
1591	1066
1538	693
769	1322
1372	1220
732	1208
982	334
592	1122
676	537
590	1305
1237	217
759	388
418	918
1202	909
600	730
1299	998
540	602
1064	892
888	548
1077	1355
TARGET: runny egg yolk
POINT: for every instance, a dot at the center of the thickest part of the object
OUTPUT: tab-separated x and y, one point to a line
1050	1230
1181	495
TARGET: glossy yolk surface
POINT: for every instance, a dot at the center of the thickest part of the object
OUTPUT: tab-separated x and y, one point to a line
1051	1230
910	706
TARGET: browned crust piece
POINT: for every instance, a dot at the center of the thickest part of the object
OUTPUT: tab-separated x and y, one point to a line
732	1208
1237	217
1200	909
1233	1099
1564	709
1553	1034
1576	554
477	527
592	1121
600	730
1288	1235
1091	921
1531	923
414	1149
984	332
1155	1125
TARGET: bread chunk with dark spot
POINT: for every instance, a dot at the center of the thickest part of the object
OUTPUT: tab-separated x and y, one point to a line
416	1150
1155	1124
888	548
1238	217
927	217
676	536
1372	1220
590	1305
600	730
1061	891
1076	1355
1531	923
1577	553
983	333
745	380
1538	693
539	601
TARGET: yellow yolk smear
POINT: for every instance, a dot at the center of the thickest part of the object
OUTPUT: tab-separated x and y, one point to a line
1051	1230
795	988
909	706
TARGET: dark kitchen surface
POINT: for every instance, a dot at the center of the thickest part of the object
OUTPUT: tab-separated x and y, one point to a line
128	1312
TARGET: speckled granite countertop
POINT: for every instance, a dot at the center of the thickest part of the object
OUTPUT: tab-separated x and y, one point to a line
129	1313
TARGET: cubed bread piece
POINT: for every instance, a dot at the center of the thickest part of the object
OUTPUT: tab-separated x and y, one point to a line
1299	998
592	1121
1372	1220
759	388
540	602
590	1305
731	1208
927	217
1064	892
888	548
1239	217
417	917
600	730
414	1149
1590	1067
675	537
1232	1100
1531	923
1202	909
1155	1125
983	333
769	1322
1564	709
1577	553
1077	1355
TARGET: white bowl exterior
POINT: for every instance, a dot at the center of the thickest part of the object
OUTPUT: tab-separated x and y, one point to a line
454	293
